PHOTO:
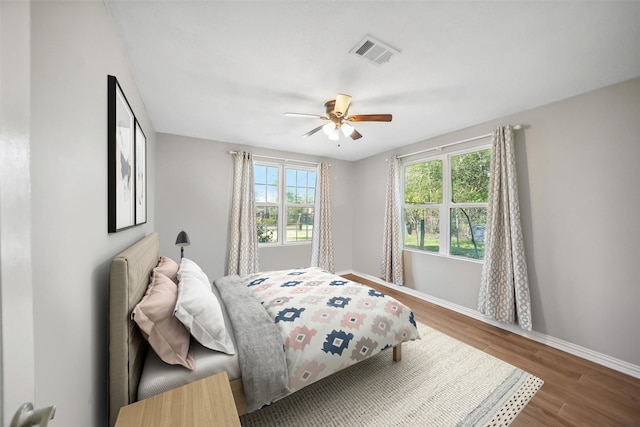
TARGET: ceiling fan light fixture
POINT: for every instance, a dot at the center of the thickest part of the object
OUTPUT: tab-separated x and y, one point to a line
347	129
338	117
329	128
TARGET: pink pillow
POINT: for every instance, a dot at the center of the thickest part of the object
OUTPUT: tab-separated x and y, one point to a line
169	268
154	315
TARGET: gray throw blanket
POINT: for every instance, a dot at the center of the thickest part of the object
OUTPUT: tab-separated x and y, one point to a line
260	349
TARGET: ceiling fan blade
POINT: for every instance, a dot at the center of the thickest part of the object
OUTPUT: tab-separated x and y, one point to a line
311	116
370	118
355	135
342	105
312	131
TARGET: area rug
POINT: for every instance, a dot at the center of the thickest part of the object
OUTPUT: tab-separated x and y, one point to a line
439	382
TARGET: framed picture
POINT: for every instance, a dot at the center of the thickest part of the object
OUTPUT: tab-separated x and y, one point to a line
141	175
121	157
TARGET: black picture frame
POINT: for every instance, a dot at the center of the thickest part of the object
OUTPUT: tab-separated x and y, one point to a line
121	124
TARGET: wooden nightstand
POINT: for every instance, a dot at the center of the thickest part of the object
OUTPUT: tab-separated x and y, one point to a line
207	402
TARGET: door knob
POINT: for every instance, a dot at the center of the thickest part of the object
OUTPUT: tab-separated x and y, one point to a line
27	417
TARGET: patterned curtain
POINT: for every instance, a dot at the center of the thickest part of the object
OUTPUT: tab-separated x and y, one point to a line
391	266
322	241
243	245
504	287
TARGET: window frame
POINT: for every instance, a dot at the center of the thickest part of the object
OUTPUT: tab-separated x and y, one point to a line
283	205
445	207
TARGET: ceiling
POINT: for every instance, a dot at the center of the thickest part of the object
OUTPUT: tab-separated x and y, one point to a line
229	70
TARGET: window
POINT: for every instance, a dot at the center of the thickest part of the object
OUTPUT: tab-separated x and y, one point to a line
423	200
266	193
301	197
288	190
445	203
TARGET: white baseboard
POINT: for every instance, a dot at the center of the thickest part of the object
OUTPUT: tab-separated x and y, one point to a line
576	350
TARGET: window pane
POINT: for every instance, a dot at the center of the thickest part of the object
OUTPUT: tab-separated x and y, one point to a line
291	177
260	193
272	175
267	224
291	194
300	186
301	178
422	229
259	174
301	195
265	184
468	232
311	180
470	177
299	224
423	182
272	194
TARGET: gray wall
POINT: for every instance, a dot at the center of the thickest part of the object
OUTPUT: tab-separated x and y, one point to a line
194	183
578	181
73	48
17	365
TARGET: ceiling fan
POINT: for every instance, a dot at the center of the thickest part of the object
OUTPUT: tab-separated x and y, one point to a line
338	118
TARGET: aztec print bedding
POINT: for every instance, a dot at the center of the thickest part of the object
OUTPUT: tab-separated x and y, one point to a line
328	323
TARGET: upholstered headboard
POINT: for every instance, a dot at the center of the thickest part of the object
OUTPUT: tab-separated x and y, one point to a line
128	280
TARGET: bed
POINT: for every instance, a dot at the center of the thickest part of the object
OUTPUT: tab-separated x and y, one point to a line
277	304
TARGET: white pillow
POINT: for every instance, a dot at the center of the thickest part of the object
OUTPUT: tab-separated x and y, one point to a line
199	310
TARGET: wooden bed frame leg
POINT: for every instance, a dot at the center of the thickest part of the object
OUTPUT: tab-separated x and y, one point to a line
397	353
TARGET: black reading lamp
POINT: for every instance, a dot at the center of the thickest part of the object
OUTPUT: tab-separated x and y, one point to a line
182	240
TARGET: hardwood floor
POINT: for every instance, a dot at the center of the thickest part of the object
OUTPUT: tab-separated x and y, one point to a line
576	392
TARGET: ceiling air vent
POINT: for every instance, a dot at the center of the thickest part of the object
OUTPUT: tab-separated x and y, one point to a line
374	50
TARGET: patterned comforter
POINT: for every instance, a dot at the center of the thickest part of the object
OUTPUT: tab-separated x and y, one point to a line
327	322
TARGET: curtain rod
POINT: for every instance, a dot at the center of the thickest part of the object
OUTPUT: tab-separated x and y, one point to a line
279	158
440	147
